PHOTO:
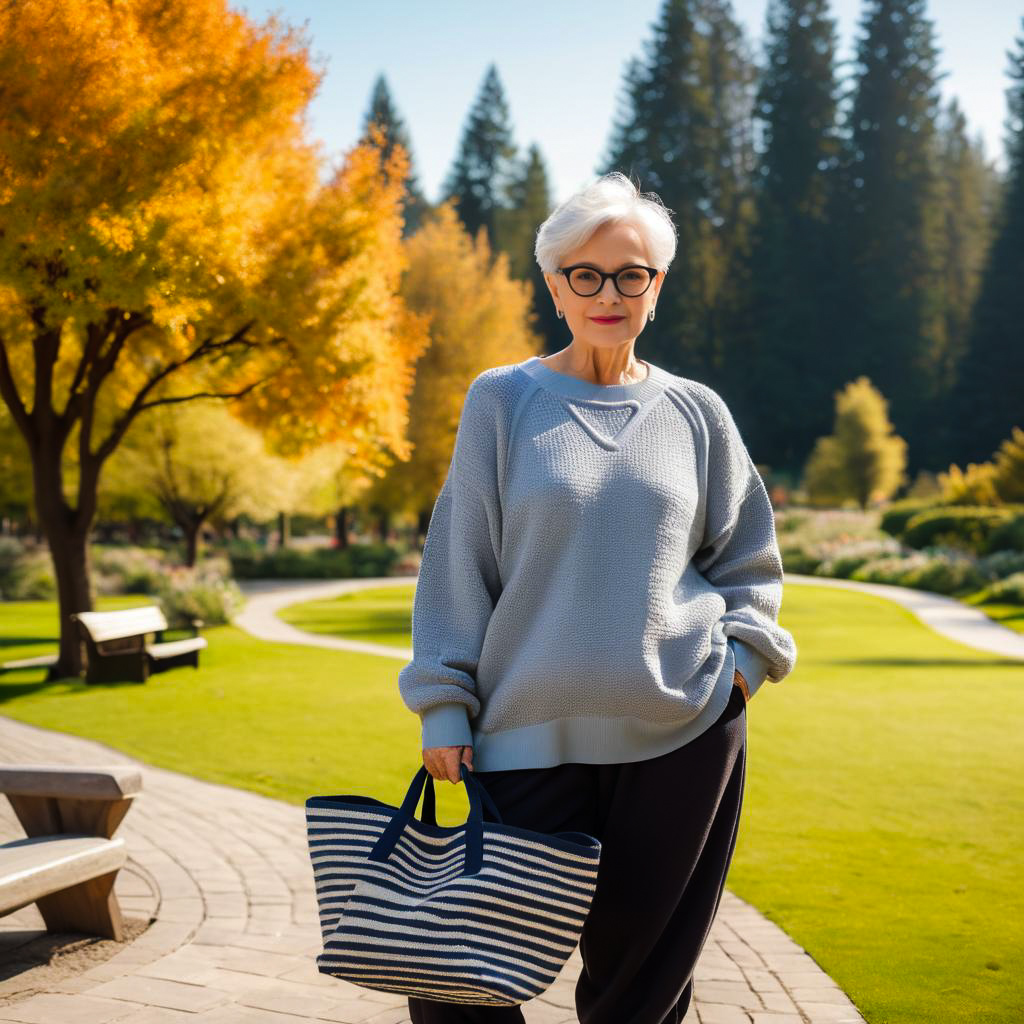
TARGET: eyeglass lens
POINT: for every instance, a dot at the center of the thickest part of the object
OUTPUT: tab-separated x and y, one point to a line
630	280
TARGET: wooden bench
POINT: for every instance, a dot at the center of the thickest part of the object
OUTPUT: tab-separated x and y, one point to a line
116	649
69	859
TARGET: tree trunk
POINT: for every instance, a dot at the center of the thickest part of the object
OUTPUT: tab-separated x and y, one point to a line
66	531
192	543
283	529
342	524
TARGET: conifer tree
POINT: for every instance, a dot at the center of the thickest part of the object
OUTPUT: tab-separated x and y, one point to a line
485	165
529	205
782	343
682	132
382	112
988	400
887	214
966	233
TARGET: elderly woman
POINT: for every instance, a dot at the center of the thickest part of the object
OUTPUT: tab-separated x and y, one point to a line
597	603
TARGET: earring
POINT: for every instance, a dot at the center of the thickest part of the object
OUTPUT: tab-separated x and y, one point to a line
559	312
650	316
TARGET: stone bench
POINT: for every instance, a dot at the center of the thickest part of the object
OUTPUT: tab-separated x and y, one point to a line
69	860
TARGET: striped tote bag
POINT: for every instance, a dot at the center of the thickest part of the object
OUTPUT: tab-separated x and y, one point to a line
482	913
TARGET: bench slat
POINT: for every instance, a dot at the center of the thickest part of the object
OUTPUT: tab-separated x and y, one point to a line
172	648
109	783
37	867
124	623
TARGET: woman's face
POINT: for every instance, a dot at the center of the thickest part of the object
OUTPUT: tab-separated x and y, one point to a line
610	248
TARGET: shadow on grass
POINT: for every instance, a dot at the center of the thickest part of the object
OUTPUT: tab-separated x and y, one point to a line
971	663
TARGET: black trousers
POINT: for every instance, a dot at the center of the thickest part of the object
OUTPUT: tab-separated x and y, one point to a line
668	828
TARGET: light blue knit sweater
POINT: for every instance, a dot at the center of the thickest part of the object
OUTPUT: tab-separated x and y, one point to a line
598	561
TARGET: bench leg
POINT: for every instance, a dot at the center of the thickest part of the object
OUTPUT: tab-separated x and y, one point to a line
49	815
90	907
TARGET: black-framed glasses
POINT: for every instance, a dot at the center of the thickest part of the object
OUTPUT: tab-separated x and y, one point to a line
630	281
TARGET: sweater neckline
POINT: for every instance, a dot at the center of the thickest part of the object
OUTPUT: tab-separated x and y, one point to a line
564	384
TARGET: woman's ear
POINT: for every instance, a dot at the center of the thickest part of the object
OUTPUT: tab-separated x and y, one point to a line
549	280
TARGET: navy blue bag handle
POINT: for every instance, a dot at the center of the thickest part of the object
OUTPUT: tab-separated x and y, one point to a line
474	823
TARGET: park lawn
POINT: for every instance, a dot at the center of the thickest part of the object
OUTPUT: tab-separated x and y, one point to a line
381	615
1009	615
883	820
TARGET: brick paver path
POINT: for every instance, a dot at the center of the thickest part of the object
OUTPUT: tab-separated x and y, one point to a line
227	878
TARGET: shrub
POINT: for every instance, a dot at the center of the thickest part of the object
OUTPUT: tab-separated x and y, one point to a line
205	592
946	573
127	570
1008	536
942	572
34	578
896	516
800	557
963	526
791	520
10	554
845	559
1001	564
356	561
893	569
1008	591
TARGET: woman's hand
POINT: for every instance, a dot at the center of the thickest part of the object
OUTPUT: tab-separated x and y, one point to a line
739	681
443	762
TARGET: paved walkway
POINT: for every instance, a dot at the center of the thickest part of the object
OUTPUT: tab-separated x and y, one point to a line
225	876
946	615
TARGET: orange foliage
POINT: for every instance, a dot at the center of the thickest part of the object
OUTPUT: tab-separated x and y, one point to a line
163	225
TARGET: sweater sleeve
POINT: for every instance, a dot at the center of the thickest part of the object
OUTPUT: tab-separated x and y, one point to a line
739	555
458	584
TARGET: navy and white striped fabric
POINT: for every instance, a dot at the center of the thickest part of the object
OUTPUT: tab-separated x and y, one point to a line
482	913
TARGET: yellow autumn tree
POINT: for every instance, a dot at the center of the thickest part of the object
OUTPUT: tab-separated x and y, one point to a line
1009	467
974	486
480	316
193	464
862	459
165	237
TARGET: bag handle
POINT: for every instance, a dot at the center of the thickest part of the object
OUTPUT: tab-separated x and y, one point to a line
474	823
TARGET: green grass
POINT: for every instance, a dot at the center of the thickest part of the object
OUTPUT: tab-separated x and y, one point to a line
883	819
1009	615
380	616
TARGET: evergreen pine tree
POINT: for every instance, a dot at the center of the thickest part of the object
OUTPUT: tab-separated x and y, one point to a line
887	214
782	342
383	113
530	203
988	399
966	183
681	132
485	165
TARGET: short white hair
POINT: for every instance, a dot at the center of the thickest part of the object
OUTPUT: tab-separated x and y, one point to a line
612	198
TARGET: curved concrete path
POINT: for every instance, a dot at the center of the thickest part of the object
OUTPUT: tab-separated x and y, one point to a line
226	877
946	615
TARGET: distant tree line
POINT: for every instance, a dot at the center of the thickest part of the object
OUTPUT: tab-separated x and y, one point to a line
830	228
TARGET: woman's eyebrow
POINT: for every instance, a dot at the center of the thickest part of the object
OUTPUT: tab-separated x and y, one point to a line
631	263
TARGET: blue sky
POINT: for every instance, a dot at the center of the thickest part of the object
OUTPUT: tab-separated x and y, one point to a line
434	54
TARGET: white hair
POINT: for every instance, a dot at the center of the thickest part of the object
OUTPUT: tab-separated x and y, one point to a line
612	198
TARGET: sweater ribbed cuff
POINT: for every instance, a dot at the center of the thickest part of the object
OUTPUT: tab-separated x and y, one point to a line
751	663
446	725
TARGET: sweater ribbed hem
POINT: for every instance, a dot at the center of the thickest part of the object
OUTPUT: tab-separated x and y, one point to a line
595	740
